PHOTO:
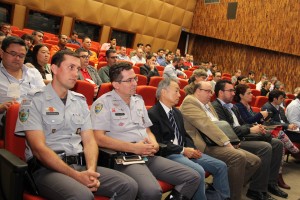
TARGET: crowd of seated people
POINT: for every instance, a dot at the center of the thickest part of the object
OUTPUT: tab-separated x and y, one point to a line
18	80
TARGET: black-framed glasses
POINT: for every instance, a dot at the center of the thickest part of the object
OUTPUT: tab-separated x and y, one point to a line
130	80
207	91
113	57
230	90
15	54
85	56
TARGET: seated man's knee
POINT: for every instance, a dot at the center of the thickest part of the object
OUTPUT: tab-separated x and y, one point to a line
150	192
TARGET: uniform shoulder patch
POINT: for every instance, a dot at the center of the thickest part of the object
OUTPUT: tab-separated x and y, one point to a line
23	115
98	108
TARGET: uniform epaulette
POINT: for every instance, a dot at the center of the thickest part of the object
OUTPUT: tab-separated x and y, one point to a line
33	92
78	95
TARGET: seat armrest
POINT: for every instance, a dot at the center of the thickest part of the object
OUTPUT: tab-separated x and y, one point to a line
106	157
12	170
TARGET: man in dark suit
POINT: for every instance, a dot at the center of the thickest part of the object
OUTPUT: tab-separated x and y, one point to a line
265	179
149	69
168	129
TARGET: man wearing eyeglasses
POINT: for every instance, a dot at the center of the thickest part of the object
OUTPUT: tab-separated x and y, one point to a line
16	79
199	120
111	58
120	122
265	178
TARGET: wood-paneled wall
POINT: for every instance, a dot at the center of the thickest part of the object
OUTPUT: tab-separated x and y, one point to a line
231	56
268	24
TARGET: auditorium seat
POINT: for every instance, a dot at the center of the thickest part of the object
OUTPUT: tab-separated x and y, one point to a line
148	93
251	85
287	102
255	109
160	68
290	96
104	88
260	101
183	83
139	64
101	64
255	92
181	98
154	80
74	46
142	80
136	69
13	161
85	88
188	73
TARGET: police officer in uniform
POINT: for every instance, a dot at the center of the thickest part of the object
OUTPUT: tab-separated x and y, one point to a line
120	122
55	122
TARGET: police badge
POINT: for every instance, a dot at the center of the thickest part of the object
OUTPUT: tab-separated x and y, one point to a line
23	115
98	108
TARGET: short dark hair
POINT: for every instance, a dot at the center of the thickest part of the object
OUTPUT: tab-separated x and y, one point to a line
74	32
149	56
109	51
220	85
176	59
116	69
37	31
79	50
86	37
265	83
160	50
240	89
148	45
275	94
12	40
59	56
27	37
251	72
139	44
2	34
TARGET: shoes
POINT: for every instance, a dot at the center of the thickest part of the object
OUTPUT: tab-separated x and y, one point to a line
274	189
281	183
268	197
255	195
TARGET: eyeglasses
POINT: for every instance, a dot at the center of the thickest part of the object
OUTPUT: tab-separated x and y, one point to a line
113	57
85	56
231	90
14	54
130	80
207	91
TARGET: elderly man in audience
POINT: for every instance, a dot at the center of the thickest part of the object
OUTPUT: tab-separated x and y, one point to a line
138	58
121	122
38	37
73	38
61	45
199	118
86	44
169	129
111	58
16	79
172	70
197	76
262	80
265	179
138	46
5	28
87	72
122	55
149	69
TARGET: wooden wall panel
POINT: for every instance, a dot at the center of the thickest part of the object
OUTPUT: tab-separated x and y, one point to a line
231	56
166	17
268	24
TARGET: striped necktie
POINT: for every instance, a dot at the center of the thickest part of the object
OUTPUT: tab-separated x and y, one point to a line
174	125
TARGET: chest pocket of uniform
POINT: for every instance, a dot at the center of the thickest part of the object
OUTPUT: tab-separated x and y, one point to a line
138	117
53	122
77	120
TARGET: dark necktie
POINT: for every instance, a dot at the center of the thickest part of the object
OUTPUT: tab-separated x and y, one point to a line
174	125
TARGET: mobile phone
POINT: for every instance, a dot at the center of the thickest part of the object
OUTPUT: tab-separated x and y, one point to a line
132	158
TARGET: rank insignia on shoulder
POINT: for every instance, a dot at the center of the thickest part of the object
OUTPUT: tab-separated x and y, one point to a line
98	108
23	115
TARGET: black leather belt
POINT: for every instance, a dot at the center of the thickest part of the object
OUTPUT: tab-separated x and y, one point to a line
74	159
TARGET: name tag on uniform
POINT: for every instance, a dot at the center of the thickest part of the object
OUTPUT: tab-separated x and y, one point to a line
52	113
119	114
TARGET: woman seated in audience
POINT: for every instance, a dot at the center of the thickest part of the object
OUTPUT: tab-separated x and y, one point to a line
40	60
243	97
197	76
241	80
265	88
87	72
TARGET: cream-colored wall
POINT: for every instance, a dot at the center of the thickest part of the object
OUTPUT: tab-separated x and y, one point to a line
158	22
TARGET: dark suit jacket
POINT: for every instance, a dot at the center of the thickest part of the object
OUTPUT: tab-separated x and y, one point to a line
224	114
277	115
146	71
164	132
